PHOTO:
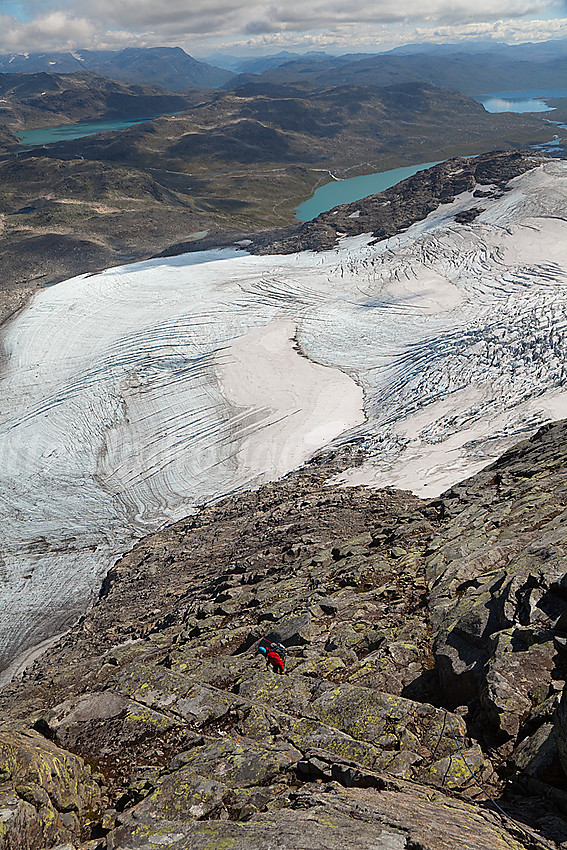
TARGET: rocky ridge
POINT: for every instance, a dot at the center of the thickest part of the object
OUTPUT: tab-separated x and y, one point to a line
394	210
389	212
426	662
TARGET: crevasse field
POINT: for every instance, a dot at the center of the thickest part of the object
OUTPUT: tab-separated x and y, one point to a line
131	397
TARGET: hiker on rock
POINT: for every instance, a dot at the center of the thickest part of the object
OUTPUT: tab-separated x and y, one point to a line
274	653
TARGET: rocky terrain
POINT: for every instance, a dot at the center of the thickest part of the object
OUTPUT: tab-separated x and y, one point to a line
421	705
395	209
386	213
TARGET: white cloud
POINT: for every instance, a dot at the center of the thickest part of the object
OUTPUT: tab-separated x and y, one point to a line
221	16
51	31
372	24
504	30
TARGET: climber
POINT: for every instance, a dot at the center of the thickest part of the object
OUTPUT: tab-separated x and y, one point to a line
274	654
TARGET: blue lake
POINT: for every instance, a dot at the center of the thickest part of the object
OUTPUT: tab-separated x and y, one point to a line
519	101
48	135
354	189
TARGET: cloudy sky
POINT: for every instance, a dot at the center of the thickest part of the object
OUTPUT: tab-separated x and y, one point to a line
260	26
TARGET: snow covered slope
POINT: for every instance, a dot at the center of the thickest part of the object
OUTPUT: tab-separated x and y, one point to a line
131	397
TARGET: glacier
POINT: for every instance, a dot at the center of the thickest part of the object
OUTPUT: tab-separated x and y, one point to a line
131	397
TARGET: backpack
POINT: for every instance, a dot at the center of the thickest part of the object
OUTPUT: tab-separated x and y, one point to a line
281	650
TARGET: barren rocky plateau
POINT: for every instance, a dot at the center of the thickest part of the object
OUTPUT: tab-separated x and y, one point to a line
421	705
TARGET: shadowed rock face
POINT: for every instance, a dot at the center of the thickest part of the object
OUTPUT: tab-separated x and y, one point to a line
496	575
394	611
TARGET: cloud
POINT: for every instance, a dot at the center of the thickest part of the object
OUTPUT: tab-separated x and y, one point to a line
362	39
221	16
65	24
509	31
51	31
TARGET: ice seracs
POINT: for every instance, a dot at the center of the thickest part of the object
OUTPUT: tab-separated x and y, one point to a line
133	396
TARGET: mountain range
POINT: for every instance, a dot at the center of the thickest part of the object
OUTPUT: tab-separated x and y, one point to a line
169	67
472	68
471	73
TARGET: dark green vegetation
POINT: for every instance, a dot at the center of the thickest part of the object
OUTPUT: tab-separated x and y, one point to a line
233	164
426	654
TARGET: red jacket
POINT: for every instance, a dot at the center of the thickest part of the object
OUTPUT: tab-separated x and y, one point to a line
275	659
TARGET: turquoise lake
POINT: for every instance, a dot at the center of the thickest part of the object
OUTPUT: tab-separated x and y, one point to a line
354	189
519	101
48	135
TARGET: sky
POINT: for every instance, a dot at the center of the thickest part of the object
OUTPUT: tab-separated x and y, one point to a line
255	27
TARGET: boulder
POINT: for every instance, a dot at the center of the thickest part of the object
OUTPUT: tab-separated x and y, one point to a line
47	795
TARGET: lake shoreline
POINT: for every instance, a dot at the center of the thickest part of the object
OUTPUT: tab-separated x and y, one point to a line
351	189
42	136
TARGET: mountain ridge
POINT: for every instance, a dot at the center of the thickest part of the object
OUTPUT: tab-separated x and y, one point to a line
46	99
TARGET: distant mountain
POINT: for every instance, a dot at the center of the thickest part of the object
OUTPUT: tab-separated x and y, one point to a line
263	63
263	84
471	73
471	67
225	60
322	73
169	67
531	51
57	63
